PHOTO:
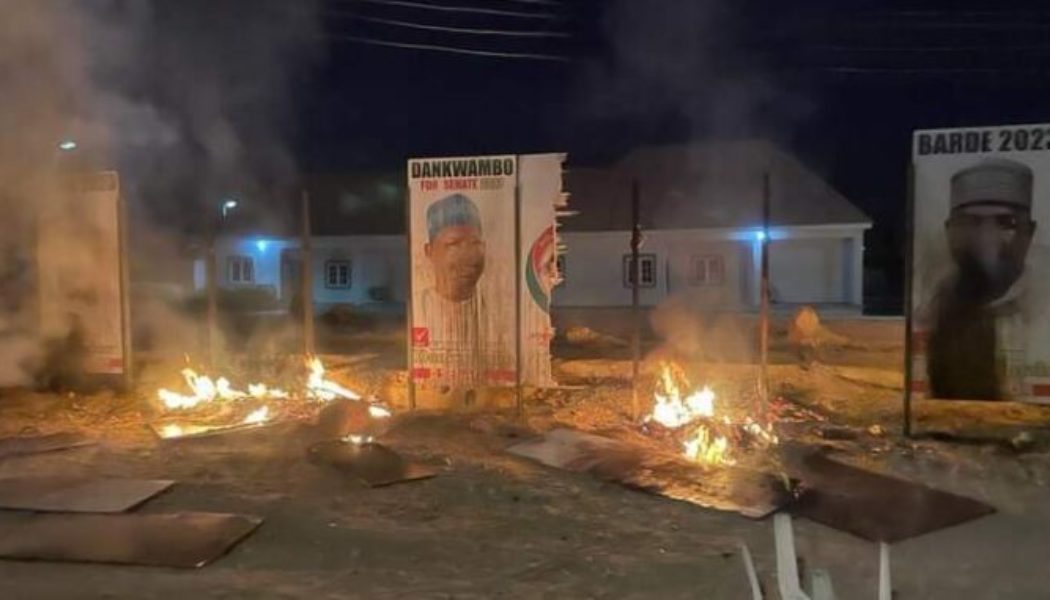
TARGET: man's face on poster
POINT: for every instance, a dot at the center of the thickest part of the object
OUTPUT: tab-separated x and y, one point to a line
457	255
989	242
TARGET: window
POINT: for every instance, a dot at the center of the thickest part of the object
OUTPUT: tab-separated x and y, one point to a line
239	269
337	274
707	270
646	270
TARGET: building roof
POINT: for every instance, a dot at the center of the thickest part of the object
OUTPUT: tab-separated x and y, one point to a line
705	185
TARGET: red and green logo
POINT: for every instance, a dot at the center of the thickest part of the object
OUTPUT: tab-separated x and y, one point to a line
539	276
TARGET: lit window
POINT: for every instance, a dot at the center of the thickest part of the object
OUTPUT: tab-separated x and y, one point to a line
337	274
240	269
707	270
646	270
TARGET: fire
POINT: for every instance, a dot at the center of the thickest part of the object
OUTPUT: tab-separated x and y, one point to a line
204	389
709	437
205	392
257	416
324	389
704	447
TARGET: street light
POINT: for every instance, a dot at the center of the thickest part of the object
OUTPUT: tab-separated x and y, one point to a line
67	145
227	206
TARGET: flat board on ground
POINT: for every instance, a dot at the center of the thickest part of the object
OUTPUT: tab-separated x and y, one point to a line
20	445
78	494
877	507
185	540
373	464
751	493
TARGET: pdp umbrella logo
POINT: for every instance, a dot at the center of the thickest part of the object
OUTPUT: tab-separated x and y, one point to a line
539	269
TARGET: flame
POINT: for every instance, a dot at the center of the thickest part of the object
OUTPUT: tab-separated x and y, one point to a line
695	413
205	391
257	416
324	389
705	447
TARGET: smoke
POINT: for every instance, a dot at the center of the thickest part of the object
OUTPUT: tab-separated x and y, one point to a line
687	66
690	335
189	101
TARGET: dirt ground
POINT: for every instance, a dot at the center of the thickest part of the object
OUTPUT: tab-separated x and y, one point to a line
492	525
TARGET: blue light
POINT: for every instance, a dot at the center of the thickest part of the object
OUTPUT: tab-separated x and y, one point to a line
760	235
261	245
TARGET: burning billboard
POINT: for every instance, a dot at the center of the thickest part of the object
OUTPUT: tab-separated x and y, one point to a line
80	271
980	326
482	233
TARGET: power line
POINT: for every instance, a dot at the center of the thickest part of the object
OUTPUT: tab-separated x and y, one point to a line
503	32
464	9
450	49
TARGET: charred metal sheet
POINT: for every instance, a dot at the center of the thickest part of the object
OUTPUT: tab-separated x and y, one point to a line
877	507
187	540
750	493
80	494
22	445
374	464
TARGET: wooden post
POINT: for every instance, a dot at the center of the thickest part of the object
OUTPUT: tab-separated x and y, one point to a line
409	314
125	298
763	327
636	334
518	276
909	322
307	278
211	276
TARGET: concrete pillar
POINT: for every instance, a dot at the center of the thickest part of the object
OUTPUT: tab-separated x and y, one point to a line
857	280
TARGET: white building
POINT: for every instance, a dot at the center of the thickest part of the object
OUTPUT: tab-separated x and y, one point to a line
701	211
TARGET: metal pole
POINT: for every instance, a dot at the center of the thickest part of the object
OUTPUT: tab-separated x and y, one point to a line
518	396
909	257
636	336
763	330
306	242
410	355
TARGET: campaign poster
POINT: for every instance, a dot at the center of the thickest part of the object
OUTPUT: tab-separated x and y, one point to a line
980	299
79	270
462	226
542	197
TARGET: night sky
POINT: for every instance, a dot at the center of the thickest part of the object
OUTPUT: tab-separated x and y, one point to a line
842	87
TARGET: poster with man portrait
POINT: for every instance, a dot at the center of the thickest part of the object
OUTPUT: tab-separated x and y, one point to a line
980	318
79	272
462	221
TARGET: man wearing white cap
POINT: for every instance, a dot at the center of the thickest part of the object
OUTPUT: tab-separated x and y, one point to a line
461	334
979	316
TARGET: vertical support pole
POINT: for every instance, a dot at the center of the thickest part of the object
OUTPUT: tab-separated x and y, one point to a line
409	315
306	242
518	397
125	299
763	328
909	317
211	275
636	334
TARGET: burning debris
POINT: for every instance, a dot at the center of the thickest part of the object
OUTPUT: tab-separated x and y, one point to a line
704	434
215	404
